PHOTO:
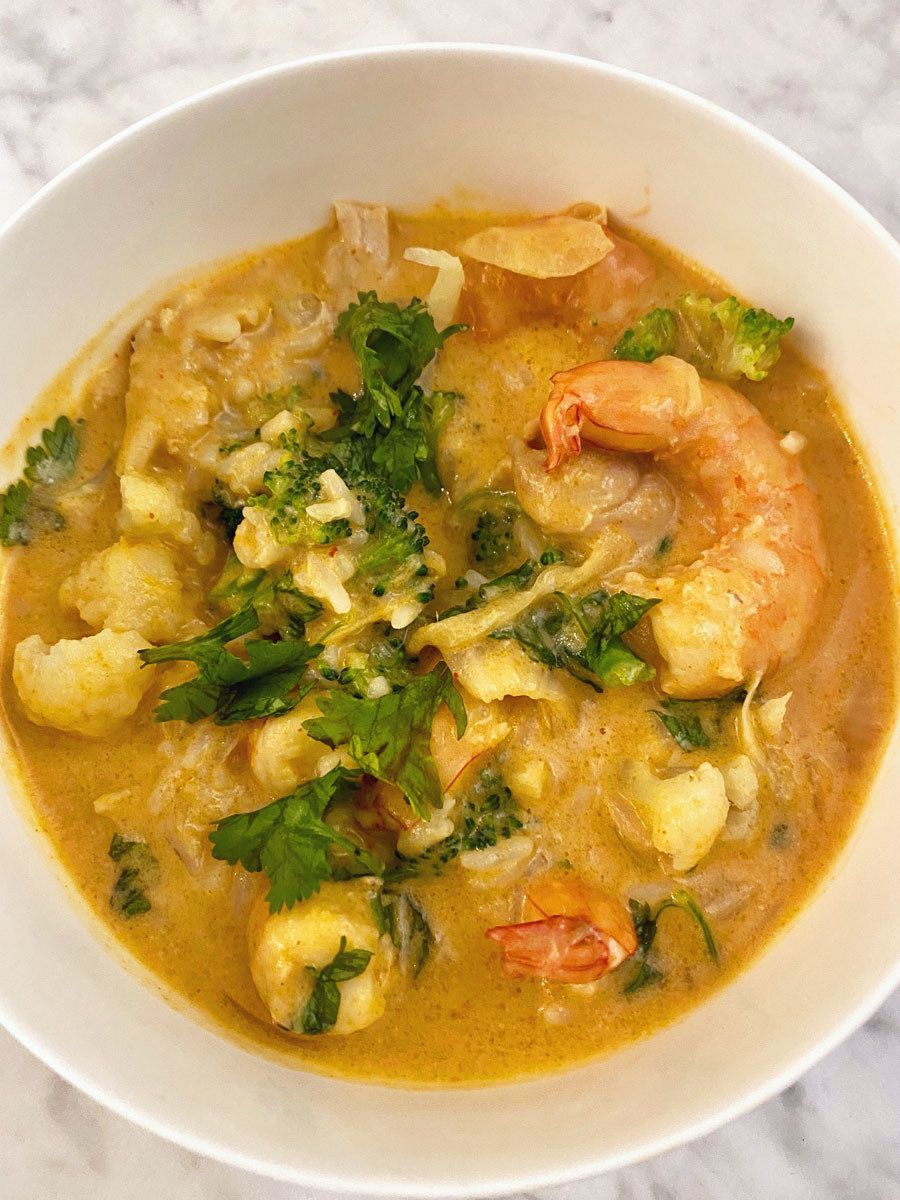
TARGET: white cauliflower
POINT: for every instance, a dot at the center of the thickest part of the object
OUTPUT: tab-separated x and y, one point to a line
256	545
87	686
683	814
130	586
492	670
244	470
285	944
153	506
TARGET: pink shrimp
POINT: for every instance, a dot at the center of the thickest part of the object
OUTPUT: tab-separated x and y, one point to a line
581	934
747	603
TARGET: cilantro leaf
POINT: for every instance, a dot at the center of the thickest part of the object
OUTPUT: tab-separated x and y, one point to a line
15	527
53	459
682	720
281	607
320	1012
583	637
25	507
140	871
229	687
393	346
646	923
390	737
403	919
289	840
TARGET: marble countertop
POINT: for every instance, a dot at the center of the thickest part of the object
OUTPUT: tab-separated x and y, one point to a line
822	75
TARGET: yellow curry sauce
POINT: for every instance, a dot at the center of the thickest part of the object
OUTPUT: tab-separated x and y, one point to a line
233	339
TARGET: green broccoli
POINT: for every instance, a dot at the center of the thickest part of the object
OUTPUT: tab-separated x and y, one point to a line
650	337
290	487
724	339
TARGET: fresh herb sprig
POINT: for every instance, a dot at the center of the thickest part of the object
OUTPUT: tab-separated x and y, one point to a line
646	923
27	507
320	1013
390	737
290	840
139	872
230	688
583	637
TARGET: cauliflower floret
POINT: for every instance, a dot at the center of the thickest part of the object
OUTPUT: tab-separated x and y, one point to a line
155	507
243	470
683	814
284	944
87	686
492	670
255	544
282	754
130	586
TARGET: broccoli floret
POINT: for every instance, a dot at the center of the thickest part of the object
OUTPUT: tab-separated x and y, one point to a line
393	552
493	537
724	339
292	486
382	655
394	539
731	339
652	336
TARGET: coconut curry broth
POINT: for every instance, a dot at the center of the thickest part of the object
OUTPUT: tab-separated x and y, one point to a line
241	335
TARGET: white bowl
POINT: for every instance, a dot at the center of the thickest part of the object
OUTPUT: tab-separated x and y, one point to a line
259	161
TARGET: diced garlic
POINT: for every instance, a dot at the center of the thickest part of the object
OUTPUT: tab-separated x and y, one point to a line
793	442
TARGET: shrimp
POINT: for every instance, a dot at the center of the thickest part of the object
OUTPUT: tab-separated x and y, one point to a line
581	934
747	603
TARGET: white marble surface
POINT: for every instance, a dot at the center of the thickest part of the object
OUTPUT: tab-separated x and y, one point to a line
823	75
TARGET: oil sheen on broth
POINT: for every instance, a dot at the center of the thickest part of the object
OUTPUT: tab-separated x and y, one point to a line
208	472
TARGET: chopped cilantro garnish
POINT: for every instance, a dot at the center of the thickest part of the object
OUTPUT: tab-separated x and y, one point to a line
645	926
231	688
390	737
682	720
140	871
584	637
403	919
290	840
488	817
320	1012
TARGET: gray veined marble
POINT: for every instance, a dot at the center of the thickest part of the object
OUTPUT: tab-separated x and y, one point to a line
822	75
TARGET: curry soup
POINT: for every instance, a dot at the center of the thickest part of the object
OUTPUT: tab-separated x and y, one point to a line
602	672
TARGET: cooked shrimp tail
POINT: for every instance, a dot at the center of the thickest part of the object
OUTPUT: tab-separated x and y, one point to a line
747	603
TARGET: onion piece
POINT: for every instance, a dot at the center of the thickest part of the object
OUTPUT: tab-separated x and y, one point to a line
444	295
546	248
